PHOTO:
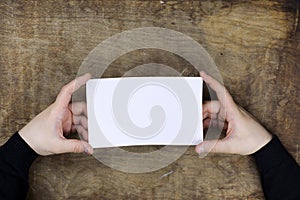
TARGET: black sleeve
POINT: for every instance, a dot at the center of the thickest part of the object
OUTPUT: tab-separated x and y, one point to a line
16	158
280	173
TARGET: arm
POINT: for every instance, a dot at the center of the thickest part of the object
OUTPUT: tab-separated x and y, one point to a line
44	135
280	173
15	160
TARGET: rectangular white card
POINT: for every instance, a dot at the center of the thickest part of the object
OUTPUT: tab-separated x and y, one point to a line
144	111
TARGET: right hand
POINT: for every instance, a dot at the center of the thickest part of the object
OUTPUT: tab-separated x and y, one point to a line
244	135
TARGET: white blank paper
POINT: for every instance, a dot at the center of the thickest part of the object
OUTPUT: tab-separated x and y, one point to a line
144	111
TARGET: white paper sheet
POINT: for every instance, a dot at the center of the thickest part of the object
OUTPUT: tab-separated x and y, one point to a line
144	111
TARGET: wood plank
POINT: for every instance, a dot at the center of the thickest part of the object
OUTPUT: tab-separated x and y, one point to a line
254	44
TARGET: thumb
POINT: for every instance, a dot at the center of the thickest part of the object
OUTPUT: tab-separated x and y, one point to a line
215	146
77	146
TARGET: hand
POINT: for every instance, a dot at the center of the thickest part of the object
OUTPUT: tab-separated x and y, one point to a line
45	133
244	135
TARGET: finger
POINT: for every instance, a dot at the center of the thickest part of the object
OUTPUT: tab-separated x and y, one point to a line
215	146
211	107
206	123
76	146
80	120
214	123
73	129
210	115
78	108
222	93
66	92
82	132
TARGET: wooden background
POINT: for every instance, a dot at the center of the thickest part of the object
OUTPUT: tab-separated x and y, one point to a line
255	45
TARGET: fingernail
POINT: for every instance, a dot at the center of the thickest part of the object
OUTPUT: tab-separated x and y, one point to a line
202	155
86	151
203	72
200	150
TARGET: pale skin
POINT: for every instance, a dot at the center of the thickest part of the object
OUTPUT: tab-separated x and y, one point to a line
244	135
45	134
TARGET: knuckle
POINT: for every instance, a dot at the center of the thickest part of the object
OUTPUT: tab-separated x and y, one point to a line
83	104
77	148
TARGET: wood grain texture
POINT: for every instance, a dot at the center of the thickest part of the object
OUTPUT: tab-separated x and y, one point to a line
255	45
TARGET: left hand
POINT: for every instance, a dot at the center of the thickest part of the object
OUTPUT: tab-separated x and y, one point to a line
244	135
45	133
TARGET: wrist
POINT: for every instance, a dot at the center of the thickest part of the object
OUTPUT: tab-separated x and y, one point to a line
18	153
265	138
25	135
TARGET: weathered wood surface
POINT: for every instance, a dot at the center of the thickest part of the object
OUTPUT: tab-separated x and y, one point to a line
255	44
